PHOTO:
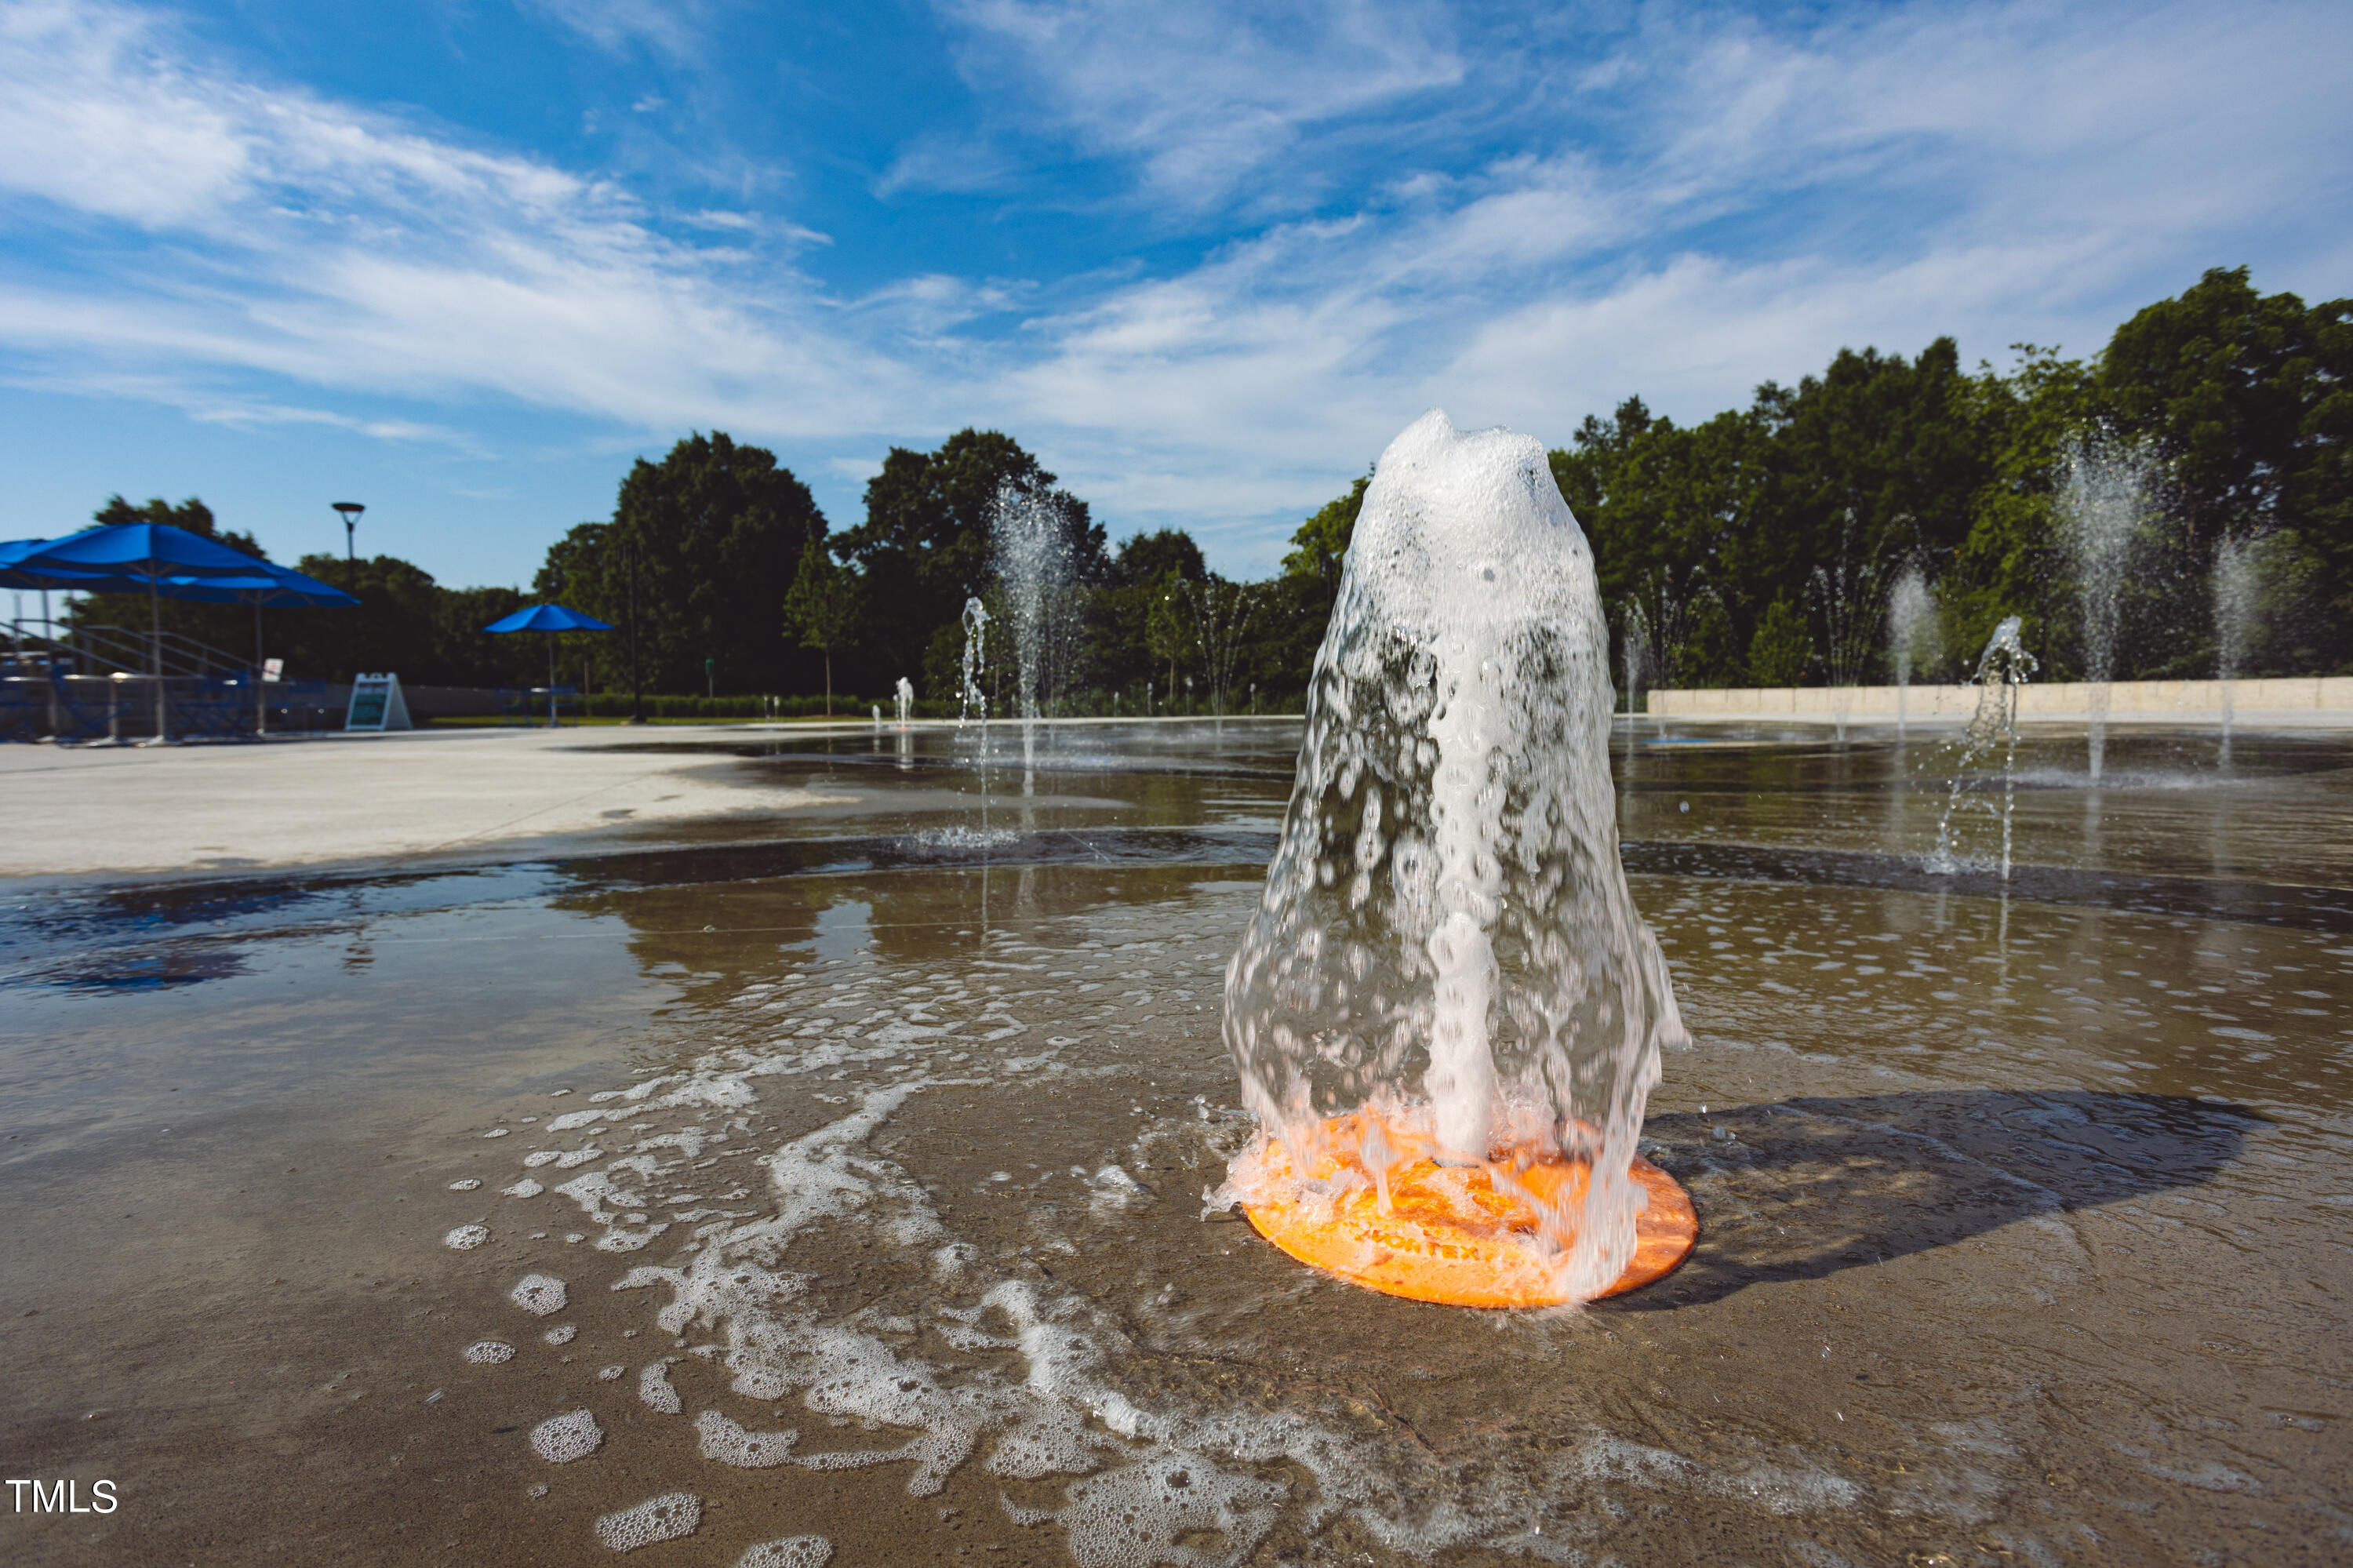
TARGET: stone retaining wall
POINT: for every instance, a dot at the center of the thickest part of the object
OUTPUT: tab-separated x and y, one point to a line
2313	698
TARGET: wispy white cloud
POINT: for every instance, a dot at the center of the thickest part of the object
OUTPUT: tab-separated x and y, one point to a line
961	165
1205	96
672	27
1718	203
299	237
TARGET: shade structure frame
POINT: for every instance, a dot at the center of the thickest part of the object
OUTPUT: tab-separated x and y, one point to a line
136	555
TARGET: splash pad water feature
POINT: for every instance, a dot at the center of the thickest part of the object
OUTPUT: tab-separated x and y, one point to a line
2002	669
2106	486
1912	640
1447	1012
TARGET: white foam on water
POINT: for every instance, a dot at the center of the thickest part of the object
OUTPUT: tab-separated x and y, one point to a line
562	1334
489	1353
1156	1512
465	1238
539	1157
526	1187
560	1439
1036	1389
730	1444
793	1552
540	1294
497	1132
612	1374
467	1185
654	1389
670	1517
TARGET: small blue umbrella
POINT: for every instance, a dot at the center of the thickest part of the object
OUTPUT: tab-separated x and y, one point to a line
550	619
547	618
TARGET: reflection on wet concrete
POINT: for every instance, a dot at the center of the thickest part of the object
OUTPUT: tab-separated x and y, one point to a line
2023	1210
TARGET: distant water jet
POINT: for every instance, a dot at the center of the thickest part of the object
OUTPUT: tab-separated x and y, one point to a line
1633	653
2237	585
1913	639
2002	669
2106	486
973	700
1447	1012
1031	537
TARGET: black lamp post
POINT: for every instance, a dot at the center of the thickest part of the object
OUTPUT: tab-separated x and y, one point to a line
351	511
637	687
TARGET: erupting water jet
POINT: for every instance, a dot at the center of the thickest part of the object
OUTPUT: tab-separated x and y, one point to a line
2237	585
2105	488
1912	640
1447	1012
2002	669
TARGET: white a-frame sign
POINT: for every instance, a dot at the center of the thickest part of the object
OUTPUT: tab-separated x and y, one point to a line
376	704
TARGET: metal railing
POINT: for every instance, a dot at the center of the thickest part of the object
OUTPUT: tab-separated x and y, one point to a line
74	648
122	707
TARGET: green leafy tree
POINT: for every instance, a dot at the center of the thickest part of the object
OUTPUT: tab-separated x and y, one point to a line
1119	608
712	536
1781	649
823	606
2251	395
2009	563
1280	651
1168	628
393	628
925	549
1319	547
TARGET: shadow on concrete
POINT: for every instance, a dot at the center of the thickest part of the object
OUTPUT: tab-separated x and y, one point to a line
1807	1188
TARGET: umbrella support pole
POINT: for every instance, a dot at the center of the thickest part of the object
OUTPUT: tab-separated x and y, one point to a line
260	697
155	661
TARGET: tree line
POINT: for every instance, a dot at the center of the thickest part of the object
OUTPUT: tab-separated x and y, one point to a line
1756	547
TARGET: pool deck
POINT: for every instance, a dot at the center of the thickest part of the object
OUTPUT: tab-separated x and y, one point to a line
415	795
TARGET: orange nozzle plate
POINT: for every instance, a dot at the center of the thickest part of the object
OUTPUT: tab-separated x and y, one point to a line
1450	1236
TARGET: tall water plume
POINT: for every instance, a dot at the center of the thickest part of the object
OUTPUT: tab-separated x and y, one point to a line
1446	939
906	701
1221	614
2002	669
2237	585
1913	641
1032	539
2106	483
1633	657
973	700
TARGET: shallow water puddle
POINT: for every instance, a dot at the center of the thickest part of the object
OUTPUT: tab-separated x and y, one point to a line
2022	1221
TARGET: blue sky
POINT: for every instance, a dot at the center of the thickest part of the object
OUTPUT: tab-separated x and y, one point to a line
463	260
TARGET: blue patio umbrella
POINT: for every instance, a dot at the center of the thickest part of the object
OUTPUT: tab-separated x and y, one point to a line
136	555
269	584
550	619
13	576
16	577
